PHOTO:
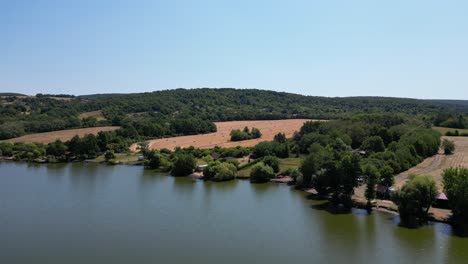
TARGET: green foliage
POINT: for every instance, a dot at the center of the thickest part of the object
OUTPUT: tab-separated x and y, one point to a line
256	133
280	138
261	173
234	162
6	148
238	135
84	148
386	175
447	119
270	148
295	174
184	165
109	155
455	182
218	171
372	174
373	144
415	199
273	162
56	149
448	146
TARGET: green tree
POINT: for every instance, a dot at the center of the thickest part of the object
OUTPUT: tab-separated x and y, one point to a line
373	144
152	159
255	133
273	162
210	171
448	146
56	148
184	165
455	182
351	169
280	138
386	175
261	173
373	175
109	155
225	171
415	198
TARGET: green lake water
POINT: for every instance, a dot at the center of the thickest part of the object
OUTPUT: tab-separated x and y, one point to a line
88	213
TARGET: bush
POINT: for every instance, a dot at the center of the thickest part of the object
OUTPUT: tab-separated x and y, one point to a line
448	146
218	171
261	173
238	135
109	155
184	165
273	162
225	172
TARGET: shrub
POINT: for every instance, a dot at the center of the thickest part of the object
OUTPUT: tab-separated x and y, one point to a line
261	173
109	155
448	146
273	162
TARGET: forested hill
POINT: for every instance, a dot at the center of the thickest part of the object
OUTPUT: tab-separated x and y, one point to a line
29	114
240	104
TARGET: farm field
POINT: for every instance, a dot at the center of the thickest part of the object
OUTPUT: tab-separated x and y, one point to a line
221	138
444	130
63	135
434	166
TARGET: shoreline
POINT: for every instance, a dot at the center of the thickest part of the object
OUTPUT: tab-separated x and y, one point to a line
386	206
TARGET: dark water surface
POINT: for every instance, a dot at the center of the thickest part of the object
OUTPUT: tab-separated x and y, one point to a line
87	213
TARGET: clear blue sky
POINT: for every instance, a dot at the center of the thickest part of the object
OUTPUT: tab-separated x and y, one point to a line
333	48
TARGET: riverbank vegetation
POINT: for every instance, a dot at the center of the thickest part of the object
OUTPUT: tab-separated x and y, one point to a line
455	182
415	199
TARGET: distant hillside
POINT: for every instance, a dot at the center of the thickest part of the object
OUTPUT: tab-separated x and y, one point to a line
12	94
144	111
247	104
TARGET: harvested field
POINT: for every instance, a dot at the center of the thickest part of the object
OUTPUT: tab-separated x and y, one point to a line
221	138
63	135
434	166
97	114
444	130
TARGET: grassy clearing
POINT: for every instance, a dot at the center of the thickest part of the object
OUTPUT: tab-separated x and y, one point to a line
244	173
285	164
288	163
444	130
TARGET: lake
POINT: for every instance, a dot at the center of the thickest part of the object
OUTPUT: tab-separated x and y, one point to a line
90	213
